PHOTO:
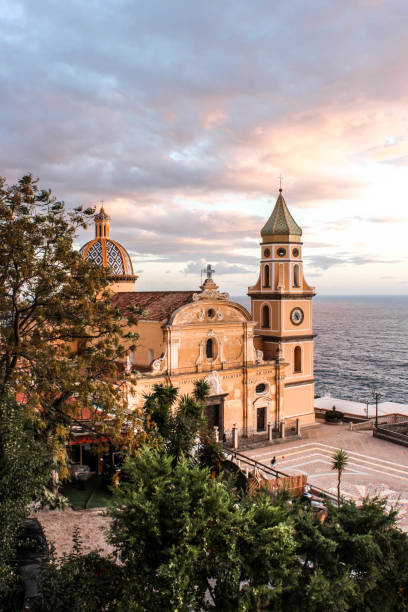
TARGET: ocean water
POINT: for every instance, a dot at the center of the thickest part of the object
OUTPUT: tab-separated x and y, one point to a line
361	345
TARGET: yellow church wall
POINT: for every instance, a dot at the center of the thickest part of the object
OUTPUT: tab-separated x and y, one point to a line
121	286
288	349
237	387
229	344
299	403
150	344
275	316
288	328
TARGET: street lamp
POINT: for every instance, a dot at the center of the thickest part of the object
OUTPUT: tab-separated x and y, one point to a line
376	395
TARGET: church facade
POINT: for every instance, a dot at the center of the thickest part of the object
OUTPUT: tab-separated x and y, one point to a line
258	364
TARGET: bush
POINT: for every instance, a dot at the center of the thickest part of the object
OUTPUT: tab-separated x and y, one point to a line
334	416
23	471
78	581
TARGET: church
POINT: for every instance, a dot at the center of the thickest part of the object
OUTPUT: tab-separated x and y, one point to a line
258	364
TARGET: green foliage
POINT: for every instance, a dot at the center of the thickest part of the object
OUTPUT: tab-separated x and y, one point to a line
186	541
158	407
61	339
201	390
174	428
181	534
23	464
356	559
210	453
78	581
333	416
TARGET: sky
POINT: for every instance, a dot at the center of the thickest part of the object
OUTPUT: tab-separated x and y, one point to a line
180	116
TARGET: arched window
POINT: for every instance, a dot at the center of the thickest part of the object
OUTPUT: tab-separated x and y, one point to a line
296	279
265	316
297	359
266	277
209	349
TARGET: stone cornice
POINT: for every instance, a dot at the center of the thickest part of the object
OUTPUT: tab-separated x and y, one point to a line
309	381
277	297
297	338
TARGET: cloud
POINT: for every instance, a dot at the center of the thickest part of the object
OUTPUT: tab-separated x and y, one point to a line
174	233
222	267
324	262
380	219
182	119
120	100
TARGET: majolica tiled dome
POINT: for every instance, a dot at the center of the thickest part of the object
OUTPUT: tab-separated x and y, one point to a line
106	252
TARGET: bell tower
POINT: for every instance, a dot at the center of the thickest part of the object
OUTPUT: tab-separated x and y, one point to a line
281	305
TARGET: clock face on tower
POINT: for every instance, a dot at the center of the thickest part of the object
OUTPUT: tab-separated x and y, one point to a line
297	316
281	252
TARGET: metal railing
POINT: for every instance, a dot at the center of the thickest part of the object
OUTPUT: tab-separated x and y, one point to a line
245	462
390	432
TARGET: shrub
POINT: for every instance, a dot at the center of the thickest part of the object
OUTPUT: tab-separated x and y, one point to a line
334	416
78	581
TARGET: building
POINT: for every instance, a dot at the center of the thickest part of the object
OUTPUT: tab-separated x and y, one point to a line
259	365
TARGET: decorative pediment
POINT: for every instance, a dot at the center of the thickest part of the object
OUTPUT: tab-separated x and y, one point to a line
214	383
209	290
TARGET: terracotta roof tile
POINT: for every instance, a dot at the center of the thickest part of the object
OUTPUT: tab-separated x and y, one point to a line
158	305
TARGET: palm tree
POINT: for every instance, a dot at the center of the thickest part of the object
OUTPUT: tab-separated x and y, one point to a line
340	460
201	390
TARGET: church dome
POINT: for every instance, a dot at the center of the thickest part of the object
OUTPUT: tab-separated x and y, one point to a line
281	226
105	252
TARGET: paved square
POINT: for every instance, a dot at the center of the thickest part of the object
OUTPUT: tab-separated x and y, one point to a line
375	467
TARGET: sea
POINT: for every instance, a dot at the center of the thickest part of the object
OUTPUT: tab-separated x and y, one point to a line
361	346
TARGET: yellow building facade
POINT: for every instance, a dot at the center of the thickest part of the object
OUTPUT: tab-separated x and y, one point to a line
258	364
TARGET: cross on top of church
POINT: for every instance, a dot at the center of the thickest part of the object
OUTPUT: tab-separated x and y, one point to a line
210	271
280	177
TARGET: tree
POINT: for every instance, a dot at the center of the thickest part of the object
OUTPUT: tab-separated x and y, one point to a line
319	582
78	581
175	428
61	340
340	460
22	466
188	542
355	559
374	551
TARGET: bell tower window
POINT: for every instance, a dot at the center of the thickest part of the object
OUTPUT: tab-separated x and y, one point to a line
209	348
265	317
267	282
296	276
297	359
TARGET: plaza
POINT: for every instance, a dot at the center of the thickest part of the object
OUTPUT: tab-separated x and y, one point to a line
375	467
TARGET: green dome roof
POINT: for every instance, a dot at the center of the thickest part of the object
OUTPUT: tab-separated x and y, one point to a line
281	222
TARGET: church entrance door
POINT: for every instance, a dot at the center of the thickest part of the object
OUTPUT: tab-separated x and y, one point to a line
214	412
260	419
213	415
